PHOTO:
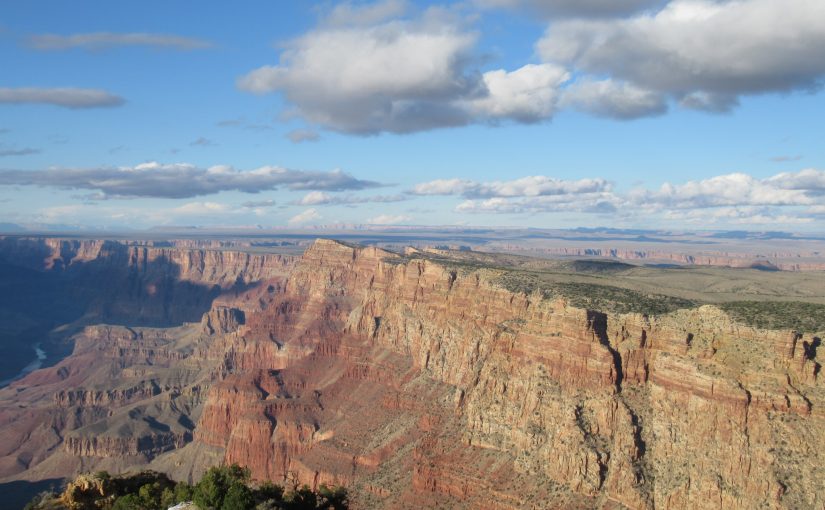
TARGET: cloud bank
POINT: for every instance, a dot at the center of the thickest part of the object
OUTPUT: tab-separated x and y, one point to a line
67	97
108	40
380	68
182	180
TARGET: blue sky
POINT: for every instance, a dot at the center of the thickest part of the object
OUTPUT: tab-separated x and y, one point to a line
540	113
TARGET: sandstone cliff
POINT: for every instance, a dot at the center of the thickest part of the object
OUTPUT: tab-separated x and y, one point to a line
417	383
451	385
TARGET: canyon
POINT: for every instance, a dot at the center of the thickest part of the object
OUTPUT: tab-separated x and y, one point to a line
416	378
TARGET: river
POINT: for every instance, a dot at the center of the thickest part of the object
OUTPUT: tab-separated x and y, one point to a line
40	357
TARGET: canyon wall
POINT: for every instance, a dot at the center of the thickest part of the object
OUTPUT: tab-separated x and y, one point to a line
452	387
418	384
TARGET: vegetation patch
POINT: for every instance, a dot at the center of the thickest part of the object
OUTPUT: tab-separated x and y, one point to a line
805	317
604	298
220	488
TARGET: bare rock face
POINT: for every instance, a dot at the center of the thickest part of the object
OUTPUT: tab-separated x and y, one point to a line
541	402
418	384
222	319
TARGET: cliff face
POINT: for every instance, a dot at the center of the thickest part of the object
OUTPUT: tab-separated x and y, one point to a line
419	384
413	378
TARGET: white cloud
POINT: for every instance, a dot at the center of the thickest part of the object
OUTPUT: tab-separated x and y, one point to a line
536	185
528	94
321	198
107	40
66	97
602	203
304	217
704	53
388	219
738	198
727	190
384	73
737	216
201	208
809	179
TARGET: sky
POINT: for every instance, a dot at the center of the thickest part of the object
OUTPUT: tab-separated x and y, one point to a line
681	114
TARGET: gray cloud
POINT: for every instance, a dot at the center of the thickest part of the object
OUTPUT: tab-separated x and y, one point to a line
75	98
253	204
303	135
18	152
703	53
572	8
182	180
785	159
203	142
606	98
242	123
107	40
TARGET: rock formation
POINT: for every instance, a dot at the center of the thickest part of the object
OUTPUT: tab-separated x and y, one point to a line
418	383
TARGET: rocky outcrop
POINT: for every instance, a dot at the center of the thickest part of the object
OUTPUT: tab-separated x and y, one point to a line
535	400
222	319
113	446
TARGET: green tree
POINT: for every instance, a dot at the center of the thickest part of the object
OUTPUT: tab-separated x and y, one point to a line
167	498
238	497
333	498
129	502
301	499
150	494
212	488
268	490
183	492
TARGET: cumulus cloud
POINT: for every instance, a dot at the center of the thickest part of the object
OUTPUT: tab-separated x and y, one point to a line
304	217
388	219
107	40
528	94
809	180
532	186
66	97
182	180
322	198
703	53
737	198
397	75
787	189
608	98
572	8
372	73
